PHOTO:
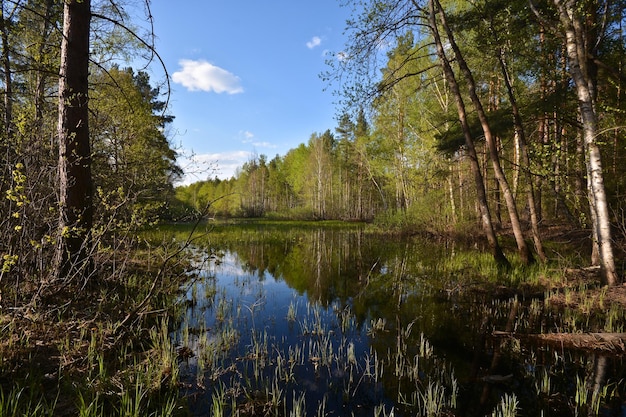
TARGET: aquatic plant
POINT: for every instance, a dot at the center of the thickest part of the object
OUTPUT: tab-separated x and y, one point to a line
380	357
292	312
507	407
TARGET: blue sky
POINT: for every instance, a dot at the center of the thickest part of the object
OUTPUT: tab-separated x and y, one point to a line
245	76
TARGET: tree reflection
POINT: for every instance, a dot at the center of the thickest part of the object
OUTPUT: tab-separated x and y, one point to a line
399	292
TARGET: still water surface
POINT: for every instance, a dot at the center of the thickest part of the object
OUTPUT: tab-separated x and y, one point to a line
335	321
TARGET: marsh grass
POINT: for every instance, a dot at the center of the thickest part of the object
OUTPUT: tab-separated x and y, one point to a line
587	401
226	232
260	372
575	381
292	313
507	407
75	353
24	401
242	367
109	384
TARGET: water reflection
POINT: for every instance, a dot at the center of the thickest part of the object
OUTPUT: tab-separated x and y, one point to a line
337	322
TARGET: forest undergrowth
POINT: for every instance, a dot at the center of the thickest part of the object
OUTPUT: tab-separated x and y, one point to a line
95	347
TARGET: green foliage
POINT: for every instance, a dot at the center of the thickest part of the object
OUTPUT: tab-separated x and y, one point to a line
134	170
132	156
431	215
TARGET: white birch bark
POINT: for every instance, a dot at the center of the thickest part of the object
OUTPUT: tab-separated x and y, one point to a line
585	87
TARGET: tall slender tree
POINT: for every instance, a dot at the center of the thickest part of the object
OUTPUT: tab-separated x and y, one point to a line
582	32
523	250
523	150
75	182
7	70
469	140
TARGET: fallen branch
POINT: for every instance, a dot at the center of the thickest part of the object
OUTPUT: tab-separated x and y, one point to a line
606	342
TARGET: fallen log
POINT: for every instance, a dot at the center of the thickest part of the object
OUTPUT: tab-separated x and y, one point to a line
605	342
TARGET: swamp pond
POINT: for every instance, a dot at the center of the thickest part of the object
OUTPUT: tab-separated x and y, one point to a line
334	320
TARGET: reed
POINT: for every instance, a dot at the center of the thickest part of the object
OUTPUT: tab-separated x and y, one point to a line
614	319
260	376
543	383
164	359
21	401
298	408
89	408
218	399
380	410
292	312
507	407
432	400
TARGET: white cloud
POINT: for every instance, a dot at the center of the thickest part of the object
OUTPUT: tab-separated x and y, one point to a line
203	76
199	167
227	162
315	41
264	145
247	136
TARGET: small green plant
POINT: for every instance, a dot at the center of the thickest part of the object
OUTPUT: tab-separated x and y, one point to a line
614	319
218	399
587	401
165	357
21	402
507	407
433	400
132	402
381	411
292	312
89	408
298	408
376	326
543	383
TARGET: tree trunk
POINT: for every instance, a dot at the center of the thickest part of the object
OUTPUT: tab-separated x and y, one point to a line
523	250
451	194
608	342
485	215
75	182
542	125
522	151
8	81
579	178
585	83
516	163
42	74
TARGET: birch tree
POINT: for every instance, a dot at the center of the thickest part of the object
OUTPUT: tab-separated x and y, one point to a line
582	26
579	25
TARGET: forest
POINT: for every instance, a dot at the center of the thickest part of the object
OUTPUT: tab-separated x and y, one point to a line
501	116
496	121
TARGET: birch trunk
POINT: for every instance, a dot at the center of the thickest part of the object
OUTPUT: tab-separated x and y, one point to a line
8	78
585	83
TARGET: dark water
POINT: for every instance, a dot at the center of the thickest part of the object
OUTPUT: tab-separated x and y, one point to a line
334	321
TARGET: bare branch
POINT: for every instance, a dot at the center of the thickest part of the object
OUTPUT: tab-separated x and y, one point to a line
150	47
